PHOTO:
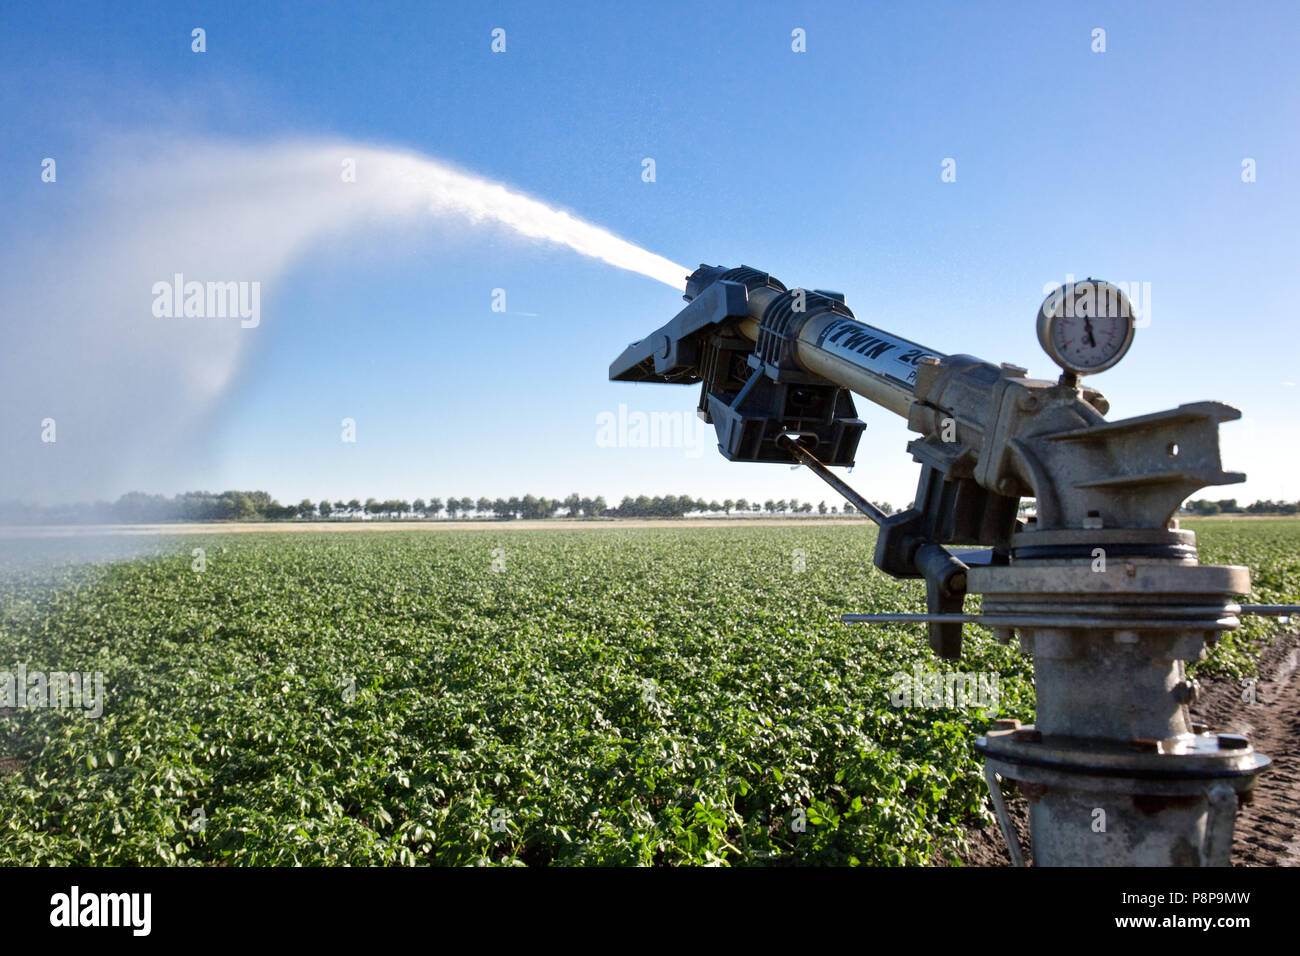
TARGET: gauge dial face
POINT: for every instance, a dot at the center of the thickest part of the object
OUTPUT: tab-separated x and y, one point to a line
1086	327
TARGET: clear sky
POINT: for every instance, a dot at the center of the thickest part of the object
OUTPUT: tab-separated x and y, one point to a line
823	167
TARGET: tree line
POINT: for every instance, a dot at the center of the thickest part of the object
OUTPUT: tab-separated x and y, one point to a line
1229	506
139	508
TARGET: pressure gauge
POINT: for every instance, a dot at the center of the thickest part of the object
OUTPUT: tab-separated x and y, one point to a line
1086	326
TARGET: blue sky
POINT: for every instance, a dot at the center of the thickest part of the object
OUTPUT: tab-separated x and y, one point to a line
822	167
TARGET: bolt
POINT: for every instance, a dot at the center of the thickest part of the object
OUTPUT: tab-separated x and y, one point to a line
1199	728
929	360
1233	742
1005	723
1027	735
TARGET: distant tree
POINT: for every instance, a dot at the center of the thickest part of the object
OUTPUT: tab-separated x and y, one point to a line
418	506
453	507
573	504
483	506
769	506
466	505
305	508
243	506
742	504
354	506
598	507
727	505
715	506
434	507
821	508
1269	507
325	508
373	507
782	505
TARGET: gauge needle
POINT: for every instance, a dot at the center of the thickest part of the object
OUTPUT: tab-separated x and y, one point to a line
1087	334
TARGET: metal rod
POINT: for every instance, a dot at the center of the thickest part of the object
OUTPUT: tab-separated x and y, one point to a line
1004	818
832	479
1044	621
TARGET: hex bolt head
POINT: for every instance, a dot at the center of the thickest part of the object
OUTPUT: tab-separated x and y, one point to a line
1027	401
1233	742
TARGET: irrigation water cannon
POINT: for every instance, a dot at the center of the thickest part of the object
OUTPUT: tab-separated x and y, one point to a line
1100	586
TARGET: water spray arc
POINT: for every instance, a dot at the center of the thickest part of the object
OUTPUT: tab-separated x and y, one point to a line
1101	587
214	215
